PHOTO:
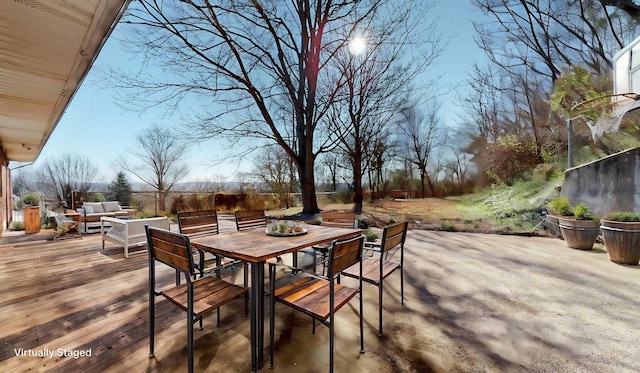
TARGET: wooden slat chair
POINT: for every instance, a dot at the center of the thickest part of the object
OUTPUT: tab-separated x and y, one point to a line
66	227
198	297
320	297
377	268
250	219
340	219
198	224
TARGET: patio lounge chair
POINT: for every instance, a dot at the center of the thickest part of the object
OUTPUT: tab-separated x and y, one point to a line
66	227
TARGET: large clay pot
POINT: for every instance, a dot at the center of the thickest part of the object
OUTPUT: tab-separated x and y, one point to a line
579	234
622	241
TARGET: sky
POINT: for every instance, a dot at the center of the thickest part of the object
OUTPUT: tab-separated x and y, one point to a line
95	127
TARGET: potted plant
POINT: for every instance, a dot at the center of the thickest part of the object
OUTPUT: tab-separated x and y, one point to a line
581	231
621	233
31	210
558	207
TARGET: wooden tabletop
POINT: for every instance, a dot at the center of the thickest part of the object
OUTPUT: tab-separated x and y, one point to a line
255	245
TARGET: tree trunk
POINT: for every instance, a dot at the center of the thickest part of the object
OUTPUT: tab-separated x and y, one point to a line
308	190
357	185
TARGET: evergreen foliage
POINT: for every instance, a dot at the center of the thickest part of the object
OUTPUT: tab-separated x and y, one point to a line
119	190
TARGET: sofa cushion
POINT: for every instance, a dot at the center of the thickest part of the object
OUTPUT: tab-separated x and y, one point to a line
85	208
95	217
111	206
97	206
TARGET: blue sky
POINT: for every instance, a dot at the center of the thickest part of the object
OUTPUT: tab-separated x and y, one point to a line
96	127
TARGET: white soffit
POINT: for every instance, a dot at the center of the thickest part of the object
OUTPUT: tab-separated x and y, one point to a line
46	50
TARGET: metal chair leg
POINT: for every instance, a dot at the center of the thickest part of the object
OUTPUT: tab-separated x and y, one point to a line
272	308
380	309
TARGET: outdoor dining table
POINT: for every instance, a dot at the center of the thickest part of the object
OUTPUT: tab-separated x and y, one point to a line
255	247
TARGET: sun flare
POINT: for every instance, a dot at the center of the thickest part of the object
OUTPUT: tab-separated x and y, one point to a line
357	45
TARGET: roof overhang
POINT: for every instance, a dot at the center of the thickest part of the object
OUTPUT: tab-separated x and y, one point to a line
46	49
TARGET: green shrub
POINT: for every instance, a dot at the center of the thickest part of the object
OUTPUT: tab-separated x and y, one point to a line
624	216
370	236
582	212
561	206
145	214
31	199
17	226
448	226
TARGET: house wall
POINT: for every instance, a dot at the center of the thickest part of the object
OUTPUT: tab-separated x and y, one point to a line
5	192
606	185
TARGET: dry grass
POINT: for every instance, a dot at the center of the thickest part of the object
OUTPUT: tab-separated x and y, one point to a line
428	213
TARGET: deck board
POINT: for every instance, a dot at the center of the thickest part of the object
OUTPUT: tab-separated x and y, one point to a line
73	295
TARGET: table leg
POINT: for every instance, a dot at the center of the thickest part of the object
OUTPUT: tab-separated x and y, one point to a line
257	315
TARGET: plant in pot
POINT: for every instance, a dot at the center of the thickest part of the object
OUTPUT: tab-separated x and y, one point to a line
582	230
621	233
30	199
31	204
558	207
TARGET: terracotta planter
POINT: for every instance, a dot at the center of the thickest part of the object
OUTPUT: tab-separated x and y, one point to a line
579	234
622	240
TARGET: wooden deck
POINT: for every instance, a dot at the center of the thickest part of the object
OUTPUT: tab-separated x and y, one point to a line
473	302
70	295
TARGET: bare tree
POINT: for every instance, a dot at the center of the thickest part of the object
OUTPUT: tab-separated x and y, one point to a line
157	161
530	43
66	174
274	169
261	62
21	181
548	35
422	134
378	81
628	6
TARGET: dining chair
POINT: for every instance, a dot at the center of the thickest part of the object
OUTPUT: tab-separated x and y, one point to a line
375	269
195	224
250	219
340	219
197	297
320	297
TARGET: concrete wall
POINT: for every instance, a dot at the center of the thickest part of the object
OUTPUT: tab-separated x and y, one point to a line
606	185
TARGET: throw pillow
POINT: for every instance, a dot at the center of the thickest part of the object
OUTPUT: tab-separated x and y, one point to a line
111	206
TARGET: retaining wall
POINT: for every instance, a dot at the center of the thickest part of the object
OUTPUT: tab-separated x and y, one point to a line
608	184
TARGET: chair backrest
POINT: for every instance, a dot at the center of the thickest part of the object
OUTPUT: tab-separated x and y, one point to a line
393	236
172	249
250	219
198	223
61	219
341	219
344	254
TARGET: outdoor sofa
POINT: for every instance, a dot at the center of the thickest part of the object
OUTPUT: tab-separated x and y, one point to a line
129	233
91	212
